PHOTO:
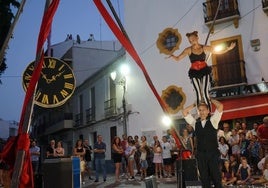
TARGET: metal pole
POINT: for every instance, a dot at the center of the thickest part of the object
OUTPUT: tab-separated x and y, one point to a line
124	108
214	20
15	181
10	31
118	19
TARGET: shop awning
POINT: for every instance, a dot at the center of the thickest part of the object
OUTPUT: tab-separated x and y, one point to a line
245	106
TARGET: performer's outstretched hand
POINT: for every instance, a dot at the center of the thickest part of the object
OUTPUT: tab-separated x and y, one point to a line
233	44
218	104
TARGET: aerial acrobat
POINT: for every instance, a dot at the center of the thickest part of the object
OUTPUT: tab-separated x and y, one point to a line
199	72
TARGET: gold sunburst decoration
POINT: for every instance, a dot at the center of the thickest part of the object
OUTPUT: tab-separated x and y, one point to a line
168	41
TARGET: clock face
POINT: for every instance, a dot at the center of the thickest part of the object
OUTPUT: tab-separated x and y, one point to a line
55	85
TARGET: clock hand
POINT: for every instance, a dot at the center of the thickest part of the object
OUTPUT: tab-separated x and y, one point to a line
51	80
45	77
59	74
54	77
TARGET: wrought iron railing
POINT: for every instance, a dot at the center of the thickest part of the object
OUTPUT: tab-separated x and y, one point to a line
264	3
239	90
78	120
110	107
90	115
41	128
228	73
265	6
227	8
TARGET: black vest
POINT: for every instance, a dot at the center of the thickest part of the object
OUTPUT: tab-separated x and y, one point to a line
206	137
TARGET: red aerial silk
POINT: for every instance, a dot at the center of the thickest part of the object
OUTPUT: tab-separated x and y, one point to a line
131	50
22	141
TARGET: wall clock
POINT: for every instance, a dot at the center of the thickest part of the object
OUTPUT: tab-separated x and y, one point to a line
56	83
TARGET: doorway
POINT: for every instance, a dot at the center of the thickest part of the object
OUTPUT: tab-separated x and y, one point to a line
228	68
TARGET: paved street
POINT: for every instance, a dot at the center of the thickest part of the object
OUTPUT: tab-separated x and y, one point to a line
161	183
147	183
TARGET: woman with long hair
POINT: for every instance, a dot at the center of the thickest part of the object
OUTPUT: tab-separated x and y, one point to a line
117	152
130	152
158	160
187	141
228	174
59	150
80	151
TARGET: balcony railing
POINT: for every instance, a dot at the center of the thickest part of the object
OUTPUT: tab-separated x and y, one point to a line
57	123
78	120
110	107
90	115
264	3
239	90
265	6
228	73
228	11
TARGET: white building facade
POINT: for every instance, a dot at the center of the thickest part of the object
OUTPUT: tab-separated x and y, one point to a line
97	104
145	20
8	129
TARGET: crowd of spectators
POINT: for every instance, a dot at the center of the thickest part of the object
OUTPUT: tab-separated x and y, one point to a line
243	154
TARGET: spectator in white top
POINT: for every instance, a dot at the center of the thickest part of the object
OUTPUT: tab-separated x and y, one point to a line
223	148
167	160
220	133
234	142
226	130
253	131
35	154
262	161
130	156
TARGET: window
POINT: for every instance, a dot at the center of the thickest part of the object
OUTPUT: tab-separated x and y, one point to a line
93	102
91	111
79	116
228	68
174	98
112	88
169	41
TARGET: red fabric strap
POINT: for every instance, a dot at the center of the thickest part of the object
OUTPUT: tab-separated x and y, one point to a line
22	141
43	34
129	48
175	136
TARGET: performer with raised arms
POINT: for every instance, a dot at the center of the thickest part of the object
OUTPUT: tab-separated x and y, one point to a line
207	153
199	71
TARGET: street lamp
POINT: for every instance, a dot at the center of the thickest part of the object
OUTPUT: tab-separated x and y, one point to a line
124	70
166	120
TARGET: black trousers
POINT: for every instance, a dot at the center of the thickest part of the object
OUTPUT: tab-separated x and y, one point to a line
208	166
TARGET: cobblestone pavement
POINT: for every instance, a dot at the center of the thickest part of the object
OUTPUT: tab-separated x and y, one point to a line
148	182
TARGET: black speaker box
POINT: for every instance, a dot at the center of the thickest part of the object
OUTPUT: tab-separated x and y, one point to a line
189	169
193	184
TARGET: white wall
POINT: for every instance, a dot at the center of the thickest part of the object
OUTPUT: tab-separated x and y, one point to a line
144	20
5	128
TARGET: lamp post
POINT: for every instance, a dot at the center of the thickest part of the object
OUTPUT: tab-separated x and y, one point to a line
124	106
122	81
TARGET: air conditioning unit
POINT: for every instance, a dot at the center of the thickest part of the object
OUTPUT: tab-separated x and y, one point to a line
129	107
